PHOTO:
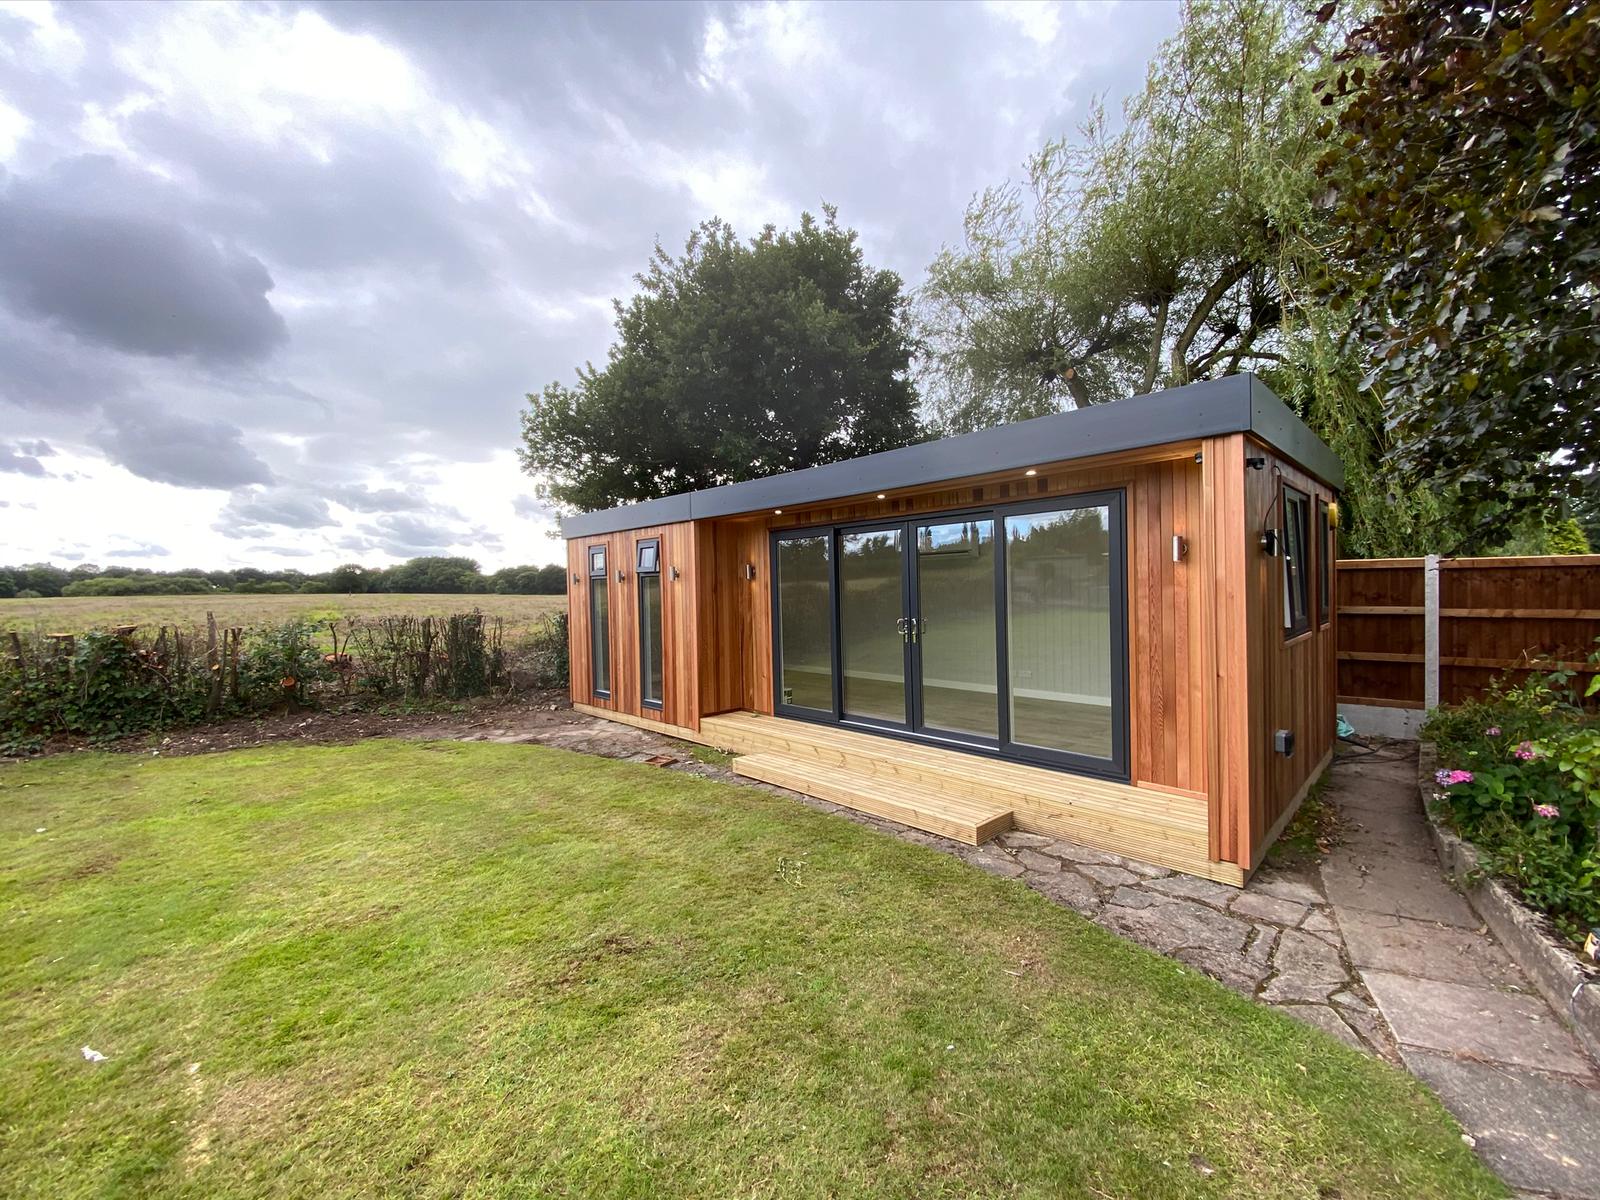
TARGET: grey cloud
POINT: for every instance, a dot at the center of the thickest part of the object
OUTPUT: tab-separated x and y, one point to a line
283	551
376	500
413	531
286	507
530	508
169	448
134	282
140	550
21	460
424	307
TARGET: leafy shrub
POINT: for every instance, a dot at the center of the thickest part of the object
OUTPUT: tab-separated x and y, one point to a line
1521	781
104	685
548	663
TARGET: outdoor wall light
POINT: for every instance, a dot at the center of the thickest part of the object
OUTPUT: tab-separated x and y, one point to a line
1180	548
1333	513
777	512
1030	472
749	570
621	576
883	495
1256	463
677	574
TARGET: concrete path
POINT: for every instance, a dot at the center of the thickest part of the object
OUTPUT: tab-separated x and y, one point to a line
1464	1018
1371	946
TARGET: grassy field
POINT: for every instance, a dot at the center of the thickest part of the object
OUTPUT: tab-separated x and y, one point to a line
442	969
73	614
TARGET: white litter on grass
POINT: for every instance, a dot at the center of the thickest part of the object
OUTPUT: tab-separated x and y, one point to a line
93	1055
40	829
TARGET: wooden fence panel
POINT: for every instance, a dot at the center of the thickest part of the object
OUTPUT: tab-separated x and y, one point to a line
1494	617
1380	631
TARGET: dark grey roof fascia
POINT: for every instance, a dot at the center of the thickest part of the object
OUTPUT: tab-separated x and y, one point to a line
1213	408
668	510
1274	423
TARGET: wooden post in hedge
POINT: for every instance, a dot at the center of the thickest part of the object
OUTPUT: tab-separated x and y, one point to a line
213	667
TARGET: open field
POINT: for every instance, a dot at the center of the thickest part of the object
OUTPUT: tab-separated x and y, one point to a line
434	969
73	614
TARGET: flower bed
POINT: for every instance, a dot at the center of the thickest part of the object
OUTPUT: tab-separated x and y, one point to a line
1519	777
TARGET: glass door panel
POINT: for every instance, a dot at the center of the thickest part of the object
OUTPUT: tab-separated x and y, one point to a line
1062	650
804	617
873	624
956	645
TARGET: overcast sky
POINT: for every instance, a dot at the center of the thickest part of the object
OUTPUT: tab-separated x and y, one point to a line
275	279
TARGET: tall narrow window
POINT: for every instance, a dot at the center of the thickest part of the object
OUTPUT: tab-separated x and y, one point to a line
648	569
1061	630
804	586
1296	562
599	624
1324	564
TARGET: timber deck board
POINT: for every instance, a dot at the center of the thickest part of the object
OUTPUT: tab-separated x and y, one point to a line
874	774
965	820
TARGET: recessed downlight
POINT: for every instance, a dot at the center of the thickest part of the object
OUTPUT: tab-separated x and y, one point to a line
777	512
1030	471
883	495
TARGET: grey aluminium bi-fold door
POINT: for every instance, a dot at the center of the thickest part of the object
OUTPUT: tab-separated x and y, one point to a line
1000	630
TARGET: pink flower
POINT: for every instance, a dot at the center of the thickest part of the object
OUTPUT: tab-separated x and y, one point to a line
1526	751
1547	810
1447	778
1492	731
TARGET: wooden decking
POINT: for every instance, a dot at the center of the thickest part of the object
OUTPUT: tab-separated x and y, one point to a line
966	796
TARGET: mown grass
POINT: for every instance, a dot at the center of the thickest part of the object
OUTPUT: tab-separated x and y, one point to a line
440	969
74	614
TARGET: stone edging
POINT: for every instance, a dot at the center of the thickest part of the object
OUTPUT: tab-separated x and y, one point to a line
1572	991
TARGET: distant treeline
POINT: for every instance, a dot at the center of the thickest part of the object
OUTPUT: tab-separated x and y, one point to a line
435	574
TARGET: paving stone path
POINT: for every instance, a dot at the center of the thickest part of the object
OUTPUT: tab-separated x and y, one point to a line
1371	946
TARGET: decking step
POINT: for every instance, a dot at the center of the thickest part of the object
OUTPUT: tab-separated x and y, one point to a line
930	768
1157	827
964	819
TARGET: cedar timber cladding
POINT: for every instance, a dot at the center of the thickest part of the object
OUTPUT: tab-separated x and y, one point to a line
679	622
1210	674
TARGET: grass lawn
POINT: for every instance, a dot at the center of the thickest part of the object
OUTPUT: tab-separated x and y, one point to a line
440	969
73	614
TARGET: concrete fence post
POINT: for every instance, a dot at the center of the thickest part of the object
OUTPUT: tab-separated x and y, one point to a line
1430	632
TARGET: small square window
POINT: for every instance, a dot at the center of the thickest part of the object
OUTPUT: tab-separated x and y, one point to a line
649	558
597	560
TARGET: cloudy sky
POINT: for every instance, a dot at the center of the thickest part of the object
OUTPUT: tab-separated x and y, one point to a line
274	279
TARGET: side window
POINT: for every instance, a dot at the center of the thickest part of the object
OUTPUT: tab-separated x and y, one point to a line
1296	562
1324	564
599	623
647	566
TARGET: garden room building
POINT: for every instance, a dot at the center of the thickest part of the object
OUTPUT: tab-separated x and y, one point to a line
1111	625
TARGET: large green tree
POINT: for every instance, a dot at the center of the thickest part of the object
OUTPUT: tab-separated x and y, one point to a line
1157	253
1186	244
738	359
1466	194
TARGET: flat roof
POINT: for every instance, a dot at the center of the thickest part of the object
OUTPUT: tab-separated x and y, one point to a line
1213	408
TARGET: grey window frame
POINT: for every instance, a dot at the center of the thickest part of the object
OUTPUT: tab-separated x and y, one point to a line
1324	564
600	552
1118	767
658	703
1294	551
